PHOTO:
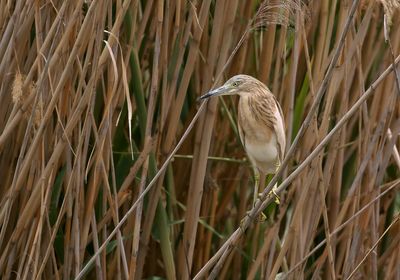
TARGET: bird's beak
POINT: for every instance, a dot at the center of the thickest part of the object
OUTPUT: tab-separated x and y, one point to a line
223	90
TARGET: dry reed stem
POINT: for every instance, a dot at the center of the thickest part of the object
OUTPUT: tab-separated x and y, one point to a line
115	85
291	150
232	240
141	196
230	243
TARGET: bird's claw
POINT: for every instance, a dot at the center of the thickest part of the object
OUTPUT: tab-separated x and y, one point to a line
241	225
277	199
261	218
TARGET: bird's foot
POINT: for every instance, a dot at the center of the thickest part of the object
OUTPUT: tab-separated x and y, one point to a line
273	192
260	219
241	225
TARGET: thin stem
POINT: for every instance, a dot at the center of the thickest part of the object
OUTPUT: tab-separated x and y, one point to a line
256	209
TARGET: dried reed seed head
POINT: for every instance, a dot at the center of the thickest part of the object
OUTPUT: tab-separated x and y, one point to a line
276	12
16	92
390	7
20	98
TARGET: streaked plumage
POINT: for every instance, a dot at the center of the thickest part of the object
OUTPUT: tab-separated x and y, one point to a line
260	123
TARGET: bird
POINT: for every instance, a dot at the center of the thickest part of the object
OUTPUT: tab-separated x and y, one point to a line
260	124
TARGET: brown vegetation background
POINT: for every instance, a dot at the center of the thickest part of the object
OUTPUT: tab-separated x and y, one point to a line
96	95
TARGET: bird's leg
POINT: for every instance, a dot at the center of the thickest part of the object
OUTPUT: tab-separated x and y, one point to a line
259	186
273	192
255	196
256	185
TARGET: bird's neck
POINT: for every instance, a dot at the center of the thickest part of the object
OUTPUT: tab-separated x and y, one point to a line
259	108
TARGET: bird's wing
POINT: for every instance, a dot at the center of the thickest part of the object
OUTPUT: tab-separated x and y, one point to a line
279	127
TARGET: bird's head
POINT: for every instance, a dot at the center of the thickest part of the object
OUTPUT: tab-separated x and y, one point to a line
239	84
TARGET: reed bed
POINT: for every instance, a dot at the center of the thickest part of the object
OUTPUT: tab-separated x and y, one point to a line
111	169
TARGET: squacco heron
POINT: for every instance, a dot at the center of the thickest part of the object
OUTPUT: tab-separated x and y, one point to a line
260	124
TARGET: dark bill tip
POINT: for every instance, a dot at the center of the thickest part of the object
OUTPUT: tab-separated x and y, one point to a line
205	96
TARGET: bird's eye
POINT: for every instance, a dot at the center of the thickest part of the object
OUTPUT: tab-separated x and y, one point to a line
235	84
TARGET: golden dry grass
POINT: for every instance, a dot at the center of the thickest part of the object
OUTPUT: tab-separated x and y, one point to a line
110	169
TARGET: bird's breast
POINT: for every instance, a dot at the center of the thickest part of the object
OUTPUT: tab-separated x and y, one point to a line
257	136
263	152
